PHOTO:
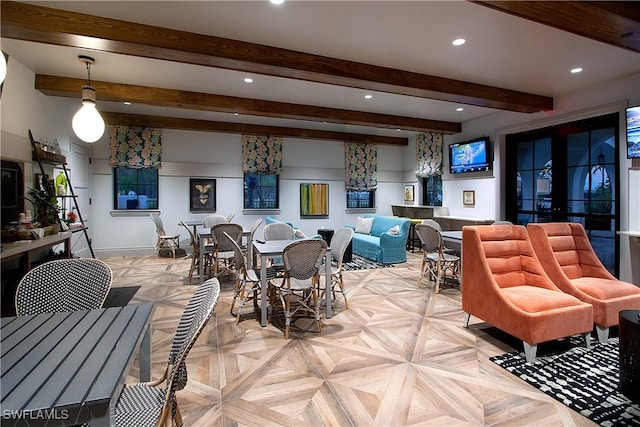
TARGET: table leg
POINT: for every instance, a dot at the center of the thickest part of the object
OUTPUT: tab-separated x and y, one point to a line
327	285
201	262
263	291
145	356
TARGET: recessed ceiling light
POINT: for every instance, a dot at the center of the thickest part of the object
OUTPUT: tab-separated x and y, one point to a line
368	96
248	80
458	42
459	109
127	103
398	130
235	114
276	1
576	70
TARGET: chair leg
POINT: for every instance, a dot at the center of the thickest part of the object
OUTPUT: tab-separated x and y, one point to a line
603	334
287	316
344	293
530	352
177	418
587	340
467	317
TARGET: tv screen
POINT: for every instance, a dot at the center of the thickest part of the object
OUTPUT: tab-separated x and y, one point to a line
470	156
633	132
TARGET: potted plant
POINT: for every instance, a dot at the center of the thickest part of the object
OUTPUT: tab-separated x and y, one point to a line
45	207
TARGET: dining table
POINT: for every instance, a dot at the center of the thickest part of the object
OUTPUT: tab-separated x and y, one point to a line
272	249
69	368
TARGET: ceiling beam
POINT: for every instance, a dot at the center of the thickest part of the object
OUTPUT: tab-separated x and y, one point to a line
53	26
613	22
111	118
117	92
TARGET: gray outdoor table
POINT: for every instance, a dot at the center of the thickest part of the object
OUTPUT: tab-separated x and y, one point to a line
62	369
273	249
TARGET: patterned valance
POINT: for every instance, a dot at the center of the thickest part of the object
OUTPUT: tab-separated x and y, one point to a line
361	166
428	154
135	147
261	154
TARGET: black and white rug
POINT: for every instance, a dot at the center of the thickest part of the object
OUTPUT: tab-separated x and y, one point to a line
584	380
361	263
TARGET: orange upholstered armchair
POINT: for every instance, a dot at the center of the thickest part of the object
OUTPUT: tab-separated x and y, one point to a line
505	285
570	261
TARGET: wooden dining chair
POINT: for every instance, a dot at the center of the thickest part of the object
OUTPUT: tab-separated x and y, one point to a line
339	243
302	260
63	285
436	263
172	241
247	284
154	403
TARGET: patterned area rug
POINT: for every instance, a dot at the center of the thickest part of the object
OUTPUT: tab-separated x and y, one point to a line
120	296
584	380
360	263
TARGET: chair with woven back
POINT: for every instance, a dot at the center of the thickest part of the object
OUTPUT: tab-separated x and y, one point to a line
436	263
339	243
163	239
222	248
247	284
63	285
154	403
302	260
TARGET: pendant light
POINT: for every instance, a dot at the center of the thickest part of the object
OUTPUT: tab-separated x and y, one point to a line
3	67
87	122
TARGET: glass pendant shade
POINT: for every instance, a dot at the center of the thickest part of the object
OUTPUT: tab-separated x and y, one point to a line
87	122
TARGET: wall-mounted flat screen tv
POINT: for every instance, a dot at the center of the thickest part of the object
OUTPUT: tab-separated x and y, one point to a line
633	132
470	156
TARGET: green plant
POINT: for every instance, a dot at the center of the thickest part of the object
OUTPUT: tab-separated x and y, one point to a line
45	207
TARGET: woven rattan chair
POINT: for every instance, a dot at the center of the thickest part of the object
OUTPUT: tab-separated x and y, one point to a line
172	241
63	285
339	243
301	277
436	263
247	284
154	403
222	249
211	220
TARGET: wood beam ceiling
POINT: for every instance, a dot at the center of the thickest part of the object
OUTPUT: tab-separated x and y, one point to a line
613	22
244	128
45	25
116	92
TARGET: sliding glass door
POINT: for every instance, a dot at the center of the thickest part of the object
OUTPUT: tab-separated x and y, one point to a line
568	173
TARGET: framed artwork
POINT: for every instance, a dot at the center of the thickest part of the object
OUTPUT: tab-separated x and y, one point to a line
314	200
409	195
469	197
202	195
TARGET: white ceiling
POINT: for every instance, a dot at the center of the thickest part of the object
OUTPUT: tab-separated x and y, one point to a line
501	50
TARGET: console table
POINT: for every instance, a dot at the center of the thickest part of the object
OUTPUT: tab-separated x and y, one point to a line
24	249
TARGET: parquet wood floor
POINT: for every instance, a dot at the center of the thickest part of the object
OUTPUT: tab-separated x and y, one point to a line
399	356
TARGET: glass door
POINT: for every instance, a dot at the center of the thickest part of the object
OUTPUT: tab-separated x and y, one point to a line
568	173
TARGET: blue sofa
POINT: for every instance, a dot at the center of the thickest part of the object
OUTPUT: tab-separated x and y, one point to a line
379	245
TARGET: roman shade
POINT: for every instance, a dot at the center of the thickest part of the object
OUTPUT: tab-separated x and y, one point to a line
428	154
361	166
135	147
261	154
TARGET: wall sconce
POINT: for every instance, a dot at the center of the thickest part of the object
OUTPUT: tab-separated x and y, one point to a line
87	122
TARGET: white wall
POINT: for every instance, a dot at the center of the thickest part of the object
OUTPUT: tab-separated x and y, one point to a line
201	154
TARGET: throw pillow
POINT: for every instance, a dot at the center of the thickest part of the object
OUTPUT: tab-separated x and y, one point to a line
395	230
300	235
364	225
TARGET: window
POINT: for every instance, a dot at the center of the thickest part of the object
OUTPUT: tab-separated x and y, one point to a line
432	190
261	191
361	199
135	188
